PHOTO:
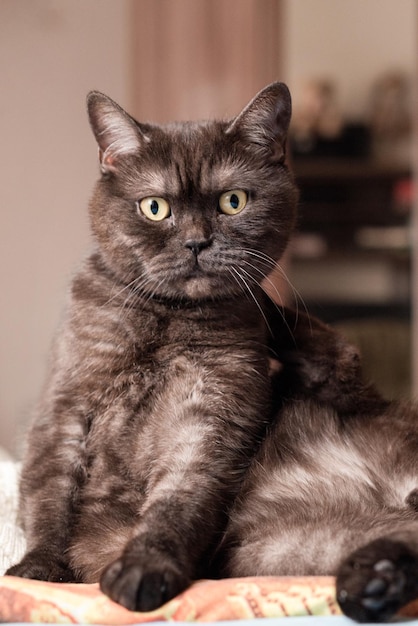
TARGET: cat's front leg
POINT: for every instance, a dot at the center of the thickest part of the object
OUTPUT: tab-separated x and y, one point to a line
207	429
183	515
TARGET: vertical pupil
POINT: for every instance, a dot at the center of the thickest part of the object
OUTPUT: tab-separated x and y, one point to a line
234	200
154	207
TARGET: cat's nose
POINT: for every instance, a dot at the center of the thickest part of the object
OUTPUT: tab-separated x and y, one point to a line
197	245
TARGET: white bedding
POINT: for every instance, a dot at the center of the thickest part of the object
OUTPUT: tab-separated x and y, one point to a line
12	542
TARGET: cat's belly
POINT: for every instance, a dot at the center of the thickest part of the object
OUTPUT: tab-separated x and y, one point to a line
312	546
307	504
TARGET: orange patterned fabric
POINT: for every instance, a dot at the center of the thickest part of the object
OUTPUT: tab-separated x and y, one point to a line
206	601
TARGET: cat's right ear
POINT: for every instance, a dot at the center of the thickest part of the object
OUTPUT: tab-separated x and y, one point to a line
116	132
265	120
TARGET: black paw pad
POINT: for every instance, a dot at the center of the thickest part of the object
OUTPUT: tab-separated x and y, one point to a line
385	589
370	590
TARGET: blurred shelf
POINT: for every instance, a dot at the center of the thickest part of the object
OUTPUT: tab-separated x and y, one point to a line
351	256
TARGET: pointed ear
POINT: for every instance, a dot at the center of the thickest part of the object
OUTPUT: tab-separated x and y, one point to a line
265	120
116	132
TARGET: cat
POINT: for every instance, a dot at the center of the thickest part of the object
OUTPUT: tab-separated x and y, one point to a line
166	447
158	390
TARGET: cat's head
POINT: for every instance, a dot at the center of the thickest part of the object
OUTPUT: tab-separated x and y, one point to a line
193	210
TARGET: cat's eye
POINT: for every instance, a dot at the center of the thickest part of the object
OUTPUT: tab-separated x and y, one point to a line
232	202
154	208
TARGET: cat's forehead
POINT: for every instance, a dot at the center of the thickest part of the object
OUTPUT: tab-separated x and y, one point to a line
206	178
194	155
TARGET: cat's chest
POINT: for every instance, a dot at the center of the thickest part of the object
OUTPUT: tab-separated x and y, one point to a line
130	357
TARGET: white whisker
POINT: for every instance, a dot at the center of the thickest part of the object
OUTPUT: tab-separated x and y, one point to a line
266	277
253	296
297	297
282	305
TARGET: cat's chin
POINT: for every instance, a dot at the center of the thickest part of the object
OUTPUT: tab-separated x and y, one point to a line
200	288
206	287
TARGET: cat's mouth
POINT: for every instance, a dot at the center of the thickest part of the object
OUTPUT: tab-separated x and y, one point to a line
196	279
197	271
201	283
197	268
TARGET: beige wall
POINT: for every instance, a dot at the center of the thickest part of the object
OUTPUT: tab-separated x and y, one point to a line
349	41
51	53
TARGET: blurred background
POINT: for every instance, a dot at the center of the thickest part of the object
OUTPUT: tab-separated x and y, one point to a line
351	67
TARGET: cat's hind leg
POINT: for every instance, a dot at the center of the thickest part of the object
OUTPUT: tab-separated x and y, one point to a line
376	580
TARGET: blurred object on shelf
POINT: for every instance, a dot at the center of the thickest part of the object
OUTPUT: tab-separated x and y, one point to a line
403	195
383	132
308	245
318	112
318	127
391	118
383	237
351	255
361	278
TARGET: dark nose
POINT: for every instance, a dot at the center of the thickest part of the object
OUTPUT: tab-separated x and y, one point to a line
197	245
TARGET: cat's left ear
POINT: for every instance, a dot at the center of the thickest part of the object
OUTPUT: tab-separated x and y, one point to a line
265	120
116	132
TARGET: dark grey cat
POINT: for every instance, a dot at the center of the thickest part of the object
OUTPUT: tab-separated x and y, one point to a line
159	393
159	387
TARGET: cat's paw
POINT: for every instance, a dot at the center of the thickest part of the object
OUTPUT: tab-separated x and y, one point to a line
141	588
39	566
377	580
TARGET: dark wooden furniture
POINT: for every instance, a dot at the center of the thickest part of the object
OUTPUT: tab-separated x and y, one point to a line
357	212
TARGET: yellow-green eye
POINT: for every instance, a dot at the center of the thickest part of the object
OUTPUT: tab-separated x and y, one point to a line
232	202
154	208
